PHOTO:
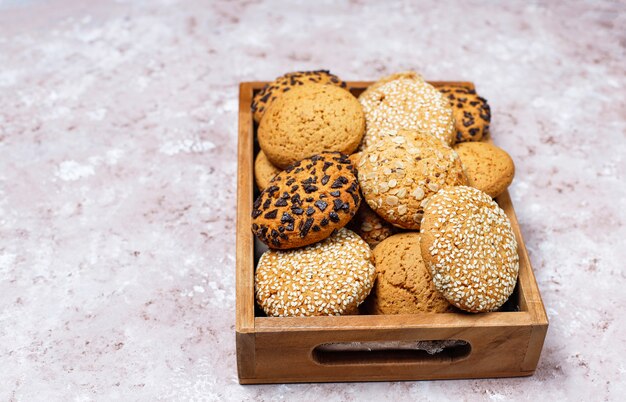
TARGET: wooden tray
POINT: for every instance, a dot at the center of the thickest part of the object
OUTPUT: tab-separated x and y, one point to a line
284	350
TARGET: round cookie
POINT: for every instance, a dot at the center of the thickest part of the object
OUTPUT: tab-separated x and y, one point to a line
399	173
470	249
472	114
406	101
306	202
331	277
270	92
403	283
264	171
371	227
310	119
488	168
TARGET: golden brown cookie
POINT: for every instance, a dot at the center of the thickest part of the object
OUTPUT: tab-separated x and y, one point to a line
403	283
488	168
371	227
270	92
405	101
401	171
472	114
264	171
331	277
306	202
308	120
470	249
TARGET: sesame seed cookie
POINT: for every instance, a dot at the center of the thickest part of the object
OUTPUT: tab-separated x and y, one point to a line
331	277
400	172
306	202
310	119
264	98
264	171
470	249
371	227
488	168
472	114
406	101
403	283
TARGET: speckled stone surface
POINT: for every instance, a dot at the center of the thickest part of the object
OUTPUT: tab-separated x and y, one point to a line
117	182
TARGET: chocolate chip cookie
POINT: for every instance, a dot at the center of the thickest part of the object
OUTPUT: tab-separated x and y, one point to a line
307	202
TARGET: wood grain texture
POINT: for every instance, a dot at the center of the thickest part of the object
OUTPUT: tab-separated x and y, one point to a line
282	349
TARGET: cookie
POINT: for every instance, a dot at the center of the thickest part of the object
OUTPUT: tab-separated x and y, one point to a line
371	227
331	277
488	168
470	249
264	171
472	114
406	101
270	92
306	202
310	119
400	172
403	283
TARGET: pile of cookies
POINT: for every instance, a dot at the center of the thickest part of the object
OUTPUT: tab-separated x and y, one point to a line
381	204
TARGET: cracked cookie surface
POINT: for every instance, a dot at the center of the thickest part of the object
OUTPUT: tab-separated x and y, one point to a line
403	283
310	119
270	92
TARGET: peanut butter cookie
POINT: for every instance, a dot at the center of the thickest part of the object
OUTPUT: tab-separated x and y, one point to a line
264	171
403	283
488	168
310	119
270	92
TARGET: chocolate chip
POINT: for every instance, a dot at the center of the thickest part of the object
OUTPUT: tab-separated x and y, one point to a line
256	212
309	199
335	193
325	179
290	181
286	218
297	210
356	198
324	222
321	205
338	204
289	227
281	229
275	242
284	236
271	190
274	233
280	203
257	202
271	215
294	188
267	203
339	182
334	217
255	226
309	188
306	227
310	211
316	228
326	166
